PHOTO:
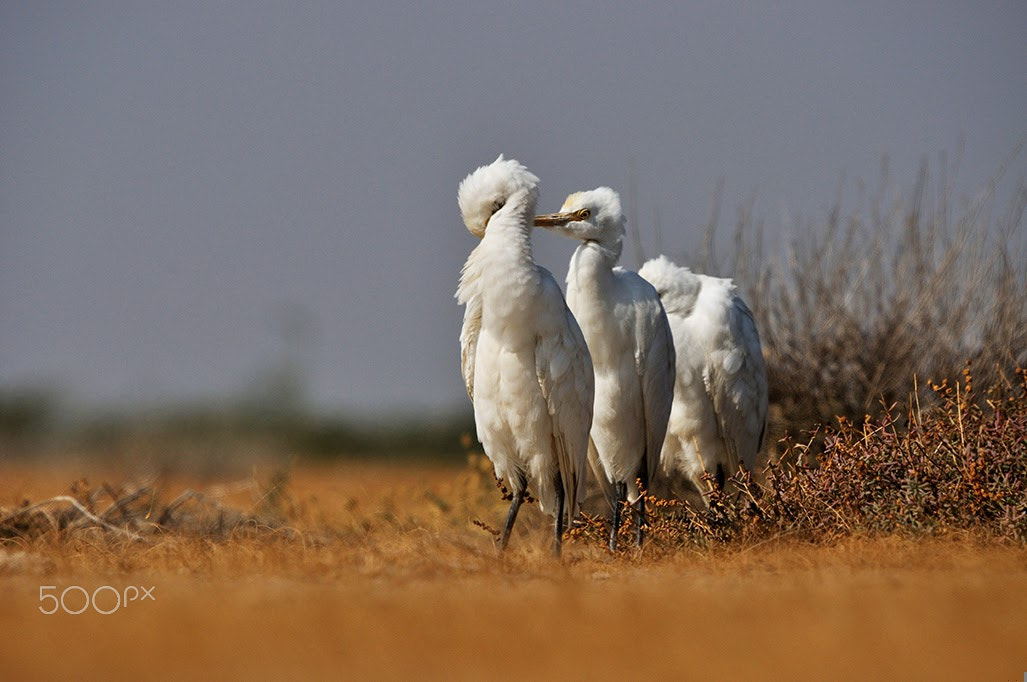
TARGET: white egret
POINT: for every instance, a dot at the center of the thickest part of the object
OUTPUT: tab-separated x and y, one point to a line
525	363
720	401
632	350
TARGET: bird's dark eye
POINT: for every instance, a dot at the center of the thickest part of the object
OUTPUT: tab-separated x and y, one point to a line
584	214
497	205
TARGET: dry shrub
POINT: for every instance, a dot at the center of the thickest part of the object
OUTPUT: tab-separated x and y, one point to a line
144	511
903	286
960	466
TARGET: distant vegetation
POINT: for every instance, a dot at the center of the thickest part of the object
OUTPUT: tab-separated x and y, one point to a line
216	437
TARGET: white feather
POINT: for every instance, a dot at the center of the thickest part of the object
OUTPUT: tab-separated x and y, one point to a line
720	402
524	360
630	341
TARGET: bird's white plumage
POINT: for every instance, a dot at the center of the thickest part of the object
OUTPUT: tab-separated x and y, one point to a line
720	402
629	338
525	362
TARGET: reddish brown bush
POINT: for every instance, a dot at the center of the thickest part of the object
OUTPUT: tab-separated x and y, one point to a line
959	466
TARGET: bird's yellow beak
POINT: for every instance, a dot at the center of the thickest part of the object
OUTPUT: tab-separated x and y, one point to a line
558	219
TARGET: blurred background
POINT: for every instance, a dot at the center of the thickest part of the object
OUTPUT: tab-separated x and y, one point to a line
232	227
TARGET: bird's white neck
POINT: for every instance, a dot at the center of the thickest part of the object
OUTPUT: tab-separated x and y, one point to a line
502	266
592	264
508	234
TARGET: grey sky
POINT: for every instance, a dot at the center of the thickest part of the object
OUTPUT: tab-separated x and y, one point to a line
175	175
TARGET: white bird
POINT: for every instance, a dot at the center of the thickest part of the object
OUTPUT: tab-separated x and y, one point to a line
720	402
525	363
632	350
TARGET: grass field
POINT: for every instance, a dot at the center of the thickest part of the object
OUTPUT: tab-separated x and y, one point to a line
375	570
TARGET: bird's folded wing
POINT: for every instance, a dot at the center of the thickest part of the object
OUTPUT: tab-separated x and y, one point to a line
599	473
737	384
469	342
658	392
468	294
564	369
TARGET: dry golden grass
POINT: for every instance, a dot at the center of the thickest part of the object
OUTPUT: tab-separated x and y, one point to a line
379	571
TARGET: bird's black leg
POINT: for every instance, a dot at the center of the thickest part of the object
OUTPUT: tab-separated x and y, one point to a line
558	539
518	498
622	494
643	476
